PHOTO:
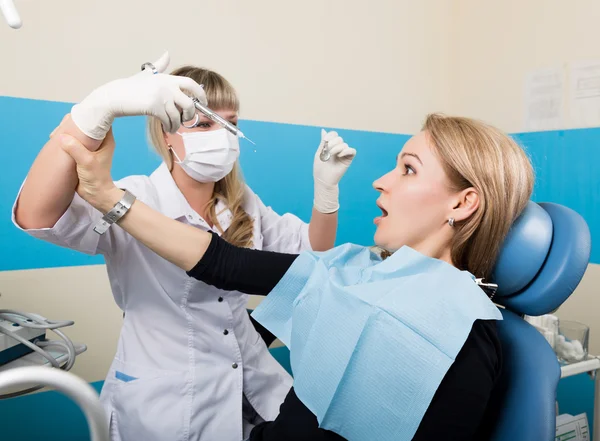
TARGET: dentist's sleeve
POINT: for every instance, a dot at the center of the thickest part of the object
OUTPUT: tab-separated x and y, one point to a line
75	228
285	233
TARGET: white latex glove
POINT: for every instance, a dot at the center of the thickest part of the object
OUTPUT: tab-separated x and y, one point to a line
144	93
327	174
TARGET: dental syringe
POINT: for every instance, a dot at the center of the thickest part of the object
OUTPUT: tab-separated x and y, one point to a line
232	128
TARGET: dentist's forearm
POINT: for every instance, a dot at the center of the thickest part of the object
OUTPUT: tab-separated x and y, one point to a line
322	230
51	181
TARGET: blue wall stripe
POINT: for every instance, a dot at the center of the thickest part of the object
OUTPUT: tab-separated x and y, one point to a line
280	171
566	166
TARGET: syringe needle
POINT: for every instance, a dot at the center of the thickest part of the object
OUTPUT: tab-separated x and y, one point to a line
246	138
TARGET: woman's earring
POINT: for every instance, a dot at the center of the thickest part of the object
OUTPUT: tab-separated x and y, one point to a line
451	221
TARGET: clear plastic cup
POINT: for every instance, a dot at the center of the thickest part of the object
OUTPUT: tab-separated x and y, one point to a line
572	341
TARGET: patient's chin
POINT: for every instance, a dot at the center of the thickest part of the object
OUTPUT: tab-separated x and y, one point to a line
381	240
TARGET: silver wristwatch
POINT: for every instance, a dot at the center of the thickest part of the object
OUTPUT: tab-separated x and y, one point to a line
116	213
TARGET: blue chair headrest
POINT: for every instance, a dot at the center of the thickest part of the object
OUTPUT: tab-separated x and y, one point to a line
542	259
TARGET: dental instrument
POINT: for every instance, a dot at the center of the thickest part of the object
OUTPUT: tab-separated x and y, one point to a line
233	129
325	153
23	341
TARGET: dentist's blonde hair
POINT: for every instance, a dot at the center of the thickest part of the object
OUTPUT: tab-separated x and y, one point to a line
231	189
478	155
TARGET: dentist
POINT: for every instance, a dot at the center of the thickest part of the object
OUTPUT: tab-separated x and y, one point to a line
189	364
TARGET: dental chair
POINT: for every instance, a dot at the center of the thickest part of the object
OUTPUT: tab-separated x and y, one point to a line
541	263
539	266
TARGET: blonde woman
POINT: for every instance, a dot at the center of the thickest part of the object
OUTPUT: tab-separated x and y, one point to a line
452	196
189	363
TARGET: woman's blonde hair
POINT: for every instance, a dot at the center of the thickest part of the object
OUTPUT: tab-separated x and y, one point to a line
477	155
231	189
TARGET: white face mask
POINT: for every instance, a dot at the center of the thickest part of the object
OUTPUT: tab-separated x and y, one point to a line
209	156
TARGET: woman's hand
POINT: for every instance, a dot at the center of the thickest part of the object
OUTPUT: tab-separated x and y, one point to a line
328	173
93	169
179	243
144	93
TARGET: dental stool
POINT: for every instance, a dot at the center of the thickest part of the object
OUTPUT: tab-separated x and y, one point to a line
540	264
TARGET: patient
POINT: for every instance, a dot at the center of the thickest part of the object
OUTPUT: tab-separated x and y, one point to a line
453	195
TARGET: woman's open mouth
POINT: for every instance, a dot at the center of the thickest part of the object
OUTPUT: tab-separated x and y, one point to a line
384	213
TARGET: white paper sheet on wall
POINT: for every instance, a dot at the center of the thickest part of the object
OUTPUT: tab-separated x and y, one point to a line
544	96
584	93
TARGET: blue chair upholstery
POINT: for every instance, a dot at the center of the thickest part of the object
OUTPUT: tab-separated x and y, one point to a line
541	263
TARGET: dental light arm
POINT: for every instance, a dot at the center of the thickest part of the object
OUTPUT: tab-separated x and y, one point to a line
11	15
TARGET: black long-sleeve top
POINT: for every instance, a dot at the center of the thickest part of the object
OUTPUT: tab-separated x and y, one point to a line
458	409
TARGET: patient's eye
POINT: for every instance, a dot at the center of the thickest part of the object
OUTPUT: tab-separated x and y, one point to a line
408	170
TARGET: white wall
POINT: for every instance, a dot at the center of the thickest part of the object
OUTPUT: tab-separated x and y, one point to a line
498	43
305	62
